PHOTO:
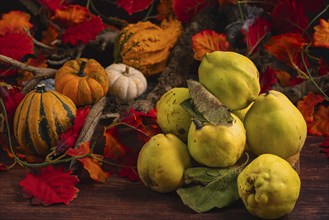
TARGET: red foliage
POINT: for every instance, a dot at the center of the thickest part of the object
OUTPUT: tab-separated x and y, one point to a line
16	45
50	186
185	10
133	6
51	4
267	79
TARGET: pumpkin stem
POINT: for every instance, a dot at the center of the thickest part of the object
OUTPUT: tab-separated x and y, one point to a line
81	72
41	88
126	72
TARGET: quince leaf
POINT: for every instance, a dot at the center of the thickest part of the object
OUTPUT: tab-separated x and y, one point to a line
207	188
208	105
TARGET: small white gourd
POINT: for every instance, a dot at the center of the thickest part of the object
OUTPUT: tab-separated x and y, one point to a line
126	82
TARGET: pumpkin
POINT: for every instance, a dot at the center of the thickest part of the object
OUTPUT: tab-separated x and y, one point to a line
82	80
126	82
40	118
146	46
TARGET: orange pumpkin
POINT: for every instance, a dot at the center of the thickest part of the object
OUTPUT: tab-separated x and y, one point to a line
83	80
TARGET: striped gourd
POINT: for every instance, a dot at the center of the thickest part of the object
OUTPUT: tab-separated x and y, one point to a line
40	118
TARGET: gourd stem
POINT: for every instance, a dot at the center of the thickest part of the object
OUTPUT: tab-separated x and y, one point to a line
197	123
41	88
126	72
81	72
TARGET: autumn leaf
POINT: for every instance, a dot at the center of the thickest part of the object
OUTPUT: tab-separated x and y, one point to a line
15	22
133	6
288	16
267	79
287	48
324	68
83	32
113	147
51	4
89	161
254	34
283	77
320	125
208	41
325	147
68	138
71	15
164	10
49	35
321	34
16	45
227	2
25	76
306	106
185	10
3	167
50	186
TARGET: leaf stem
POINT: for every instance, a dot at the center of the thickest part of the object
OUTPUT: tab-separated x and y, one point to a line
316	17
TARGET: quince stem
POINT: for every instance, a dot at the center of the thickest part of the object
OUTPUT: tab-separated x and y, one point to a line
198	124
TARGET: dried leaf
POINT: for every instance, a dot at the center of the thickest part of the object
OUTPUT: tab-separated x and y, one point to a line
321	34
208	105
133	6
50	186
206	188
68	138
306	106
288	16
267	79
89	162
186	10
16	45
256	33
287	48
15	22
320	124
208	41
71	15
83	32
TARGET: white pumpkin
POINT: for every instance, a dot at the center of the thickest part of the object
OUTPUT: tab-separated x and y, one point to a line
126	82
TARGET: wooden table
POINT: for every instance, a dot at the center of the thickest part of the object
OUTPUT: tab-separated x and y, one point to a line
121	199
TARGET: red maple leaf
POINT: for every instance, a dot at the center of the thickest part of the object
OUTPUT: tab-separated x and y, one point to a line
306	106
256	33
16	45
50	186
83	32
267	79
325	146
52	4
133	6
185	10
68	138
289	16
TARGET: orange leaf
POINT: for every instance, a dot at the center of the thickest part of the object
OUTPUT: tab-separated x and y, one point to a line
164	9
320	124
49	35
71	15
283	77
321	34
287	48
14	21
89	162
306	106
208	41
113	148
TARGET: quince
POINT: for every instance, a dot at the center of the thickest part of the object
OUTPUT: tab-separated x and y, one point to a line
269	187
162	161
217	145
274	125
231	77
171	116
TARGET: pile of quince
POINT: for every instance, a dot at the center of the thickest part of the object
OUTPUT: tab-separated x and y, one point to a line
266	125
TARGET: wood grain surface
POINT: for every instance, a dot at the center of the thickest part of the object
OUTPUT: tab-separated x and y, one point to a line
121	199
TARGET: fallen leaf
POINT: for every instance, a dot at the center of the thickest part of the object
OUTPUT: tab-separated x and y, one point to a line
208	105
267	79
83	32
50	186
187	9
89	162
320	125
321	34
306	106
288	16
287	48
254	34
207	41
16	45
68	138
15	22
133	6
71	15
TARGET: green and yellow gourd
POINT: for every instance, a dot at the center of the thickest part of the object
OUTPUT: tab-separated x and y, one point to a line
40	118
